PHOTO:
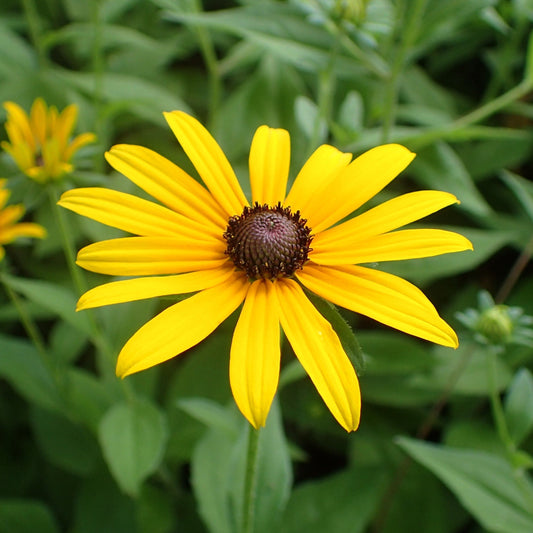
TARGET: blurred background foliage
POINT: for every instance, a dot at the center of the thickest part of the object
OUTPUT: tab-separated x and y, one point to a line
445	440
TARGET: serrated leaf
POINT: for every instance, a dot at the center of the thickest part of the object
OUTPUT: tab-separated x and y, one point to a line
484	483
133	437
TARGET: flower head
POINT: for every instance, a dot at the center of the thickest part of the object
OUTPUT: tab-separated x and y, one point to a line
40	143
211	241
9	216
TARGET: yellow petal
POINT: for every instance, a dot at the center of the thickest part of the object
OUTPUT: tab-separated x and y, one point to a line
139	256
129	290
255	353
320	352
65	124
381	296
10	214
209	161
269	165
181	326
18	117
77	143
395	246
24	229
385	217
319	171
168	183
362	179
132	214
38	120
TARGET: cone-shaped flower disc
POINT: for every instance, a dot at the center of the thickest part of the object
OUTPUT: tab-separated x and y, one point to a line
211	241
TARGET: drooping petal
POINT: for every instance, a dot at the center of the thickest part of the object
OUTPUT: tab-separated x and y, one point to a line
166	182
395	246
138	256
320	352
385	217
181	326
269	165
381	296
325	163
65	124
362	179
132	214
24	229
255	353
78	142
129	290
11	213
209	160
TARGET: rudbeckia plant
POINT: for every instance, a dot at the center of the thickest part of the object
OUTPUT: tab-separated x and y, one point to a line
41	142
212	241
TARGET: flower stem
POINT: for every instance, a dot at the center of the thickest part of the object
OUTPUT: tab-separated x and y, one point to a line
34	27
98	337
408	33
26	321
211	63
250	481
496	403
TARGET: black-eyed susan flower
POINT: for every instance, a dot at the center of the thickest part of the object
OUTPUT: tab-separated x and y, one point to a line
41	143
211	241
10	227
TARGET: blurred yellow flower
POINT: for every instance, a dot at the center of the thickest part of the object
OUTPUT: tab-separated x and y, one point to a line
211	241
40	143
9	216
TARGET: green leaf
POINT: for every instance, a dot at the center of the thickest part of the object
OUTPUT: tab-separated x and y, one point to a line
342	328
133	438
341	503
439	167
60	300
26	516
307	117
528	74
519	406
484	483
65	444
210	413
218	467
23	368
519	187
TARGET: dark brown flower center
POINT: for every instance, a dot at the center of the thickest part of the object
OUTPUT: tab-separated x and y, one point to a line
268	242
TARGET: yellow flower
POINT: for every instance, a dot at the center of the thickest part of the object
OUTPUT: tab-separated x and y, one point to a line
9	216
41	143
212	242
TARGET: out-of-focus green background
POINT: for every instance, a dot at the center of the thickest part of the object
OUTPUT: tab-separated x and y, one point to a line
445	440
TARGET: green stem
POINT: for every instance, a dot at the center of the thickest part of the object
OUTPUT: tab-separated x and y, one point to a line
250	481
98	337
211	62
27	321
67	242
496	404
325	97
408	33
490	108
97	60
34	27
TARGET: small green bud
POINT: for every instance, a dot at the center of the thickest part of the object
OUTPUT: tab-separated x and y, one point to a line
495	324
